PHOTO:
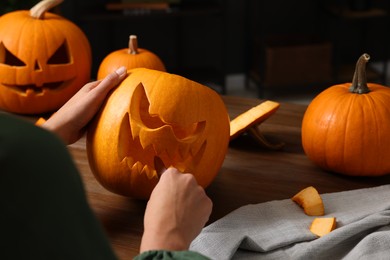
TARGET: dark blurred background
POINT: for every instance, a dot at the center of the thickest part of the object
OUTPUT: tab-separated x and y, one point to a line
274	44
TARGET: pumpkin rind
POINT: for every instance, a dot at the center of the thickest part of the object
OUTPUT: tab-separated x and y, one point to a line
346	128
34	86
255	115
349	133
156	114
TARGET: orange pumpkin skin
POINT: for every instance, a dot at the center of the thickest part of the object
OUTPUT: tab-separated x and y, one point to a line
43	62
138	58
154	114
348	133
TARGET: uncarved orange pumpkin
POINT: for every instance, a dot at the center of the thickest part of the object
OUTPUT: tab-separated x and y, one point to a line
44	60
155	120
131	57
346	128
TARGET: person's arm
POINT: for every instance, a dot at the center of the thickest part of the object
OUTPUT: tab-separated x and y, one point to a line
44	210
177	211
70	120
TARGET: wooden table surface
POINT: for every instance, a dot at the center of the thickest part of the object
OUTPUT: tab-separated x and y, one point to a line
250	174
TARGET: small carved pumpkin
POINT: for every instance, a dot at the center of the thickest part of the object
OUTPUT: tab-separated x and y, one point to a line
346	127
132	57
155	120
44	60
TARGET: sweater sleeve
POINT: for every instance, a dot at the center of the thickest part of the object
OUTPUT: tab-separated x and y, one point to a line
44	210
170	255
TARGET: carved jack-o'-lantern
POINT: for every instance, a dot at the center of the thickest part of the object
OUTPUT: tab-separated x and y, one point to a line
44	60
156	120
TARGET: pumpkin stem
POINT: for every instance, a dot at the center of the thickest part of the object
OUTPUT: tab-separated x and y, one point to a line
133	44
359	81
38	11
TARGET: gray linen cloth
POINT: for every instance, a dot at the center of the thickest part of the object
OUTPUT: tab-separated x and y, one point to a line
280	230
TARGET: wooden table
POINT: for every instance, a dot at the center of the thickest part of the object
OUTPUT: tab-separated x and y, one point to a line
250	174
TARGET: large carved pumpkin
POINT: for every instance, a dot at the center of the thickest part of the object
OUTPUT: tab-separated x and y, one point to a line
346	127
156	120
131	57
44	60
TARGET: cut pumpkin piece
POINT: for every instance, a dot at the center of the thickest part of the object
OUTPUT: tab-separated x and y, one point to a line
40	121
323	226
310	200
250	119
253	116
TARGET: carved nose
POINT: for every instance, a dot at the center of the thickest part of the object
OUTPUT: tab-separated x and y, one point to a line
38	75
37	67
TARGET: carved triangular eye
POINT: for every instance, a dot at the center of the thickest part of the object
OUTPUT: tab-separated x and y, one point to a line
61	55
9	58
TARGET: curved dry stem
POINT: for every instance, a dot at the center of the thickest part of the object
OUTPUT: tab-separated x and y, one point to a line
359	81
38	11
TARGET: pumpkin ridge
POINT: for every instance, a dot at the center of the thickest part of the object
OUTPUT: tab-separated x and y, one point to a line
23	28
347	142
54	31
324	143
328	134
374	112
378	95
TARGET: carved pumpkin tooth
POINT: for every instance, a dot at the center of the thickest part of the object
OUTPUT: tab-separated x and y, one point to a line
30	92
137	168
130	162
150	173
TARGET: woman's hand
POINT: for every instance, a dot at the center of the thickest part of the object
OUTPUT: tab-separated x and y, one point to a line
70	120
177	211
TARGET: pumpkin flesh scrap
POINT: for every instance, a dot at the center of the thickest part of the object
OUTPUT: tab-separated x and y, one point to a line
310	200
251	117
323	226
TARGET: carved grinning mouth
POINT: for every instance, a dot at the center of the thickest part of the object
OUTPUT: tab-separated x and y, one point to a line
148	144
150	159
34	88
